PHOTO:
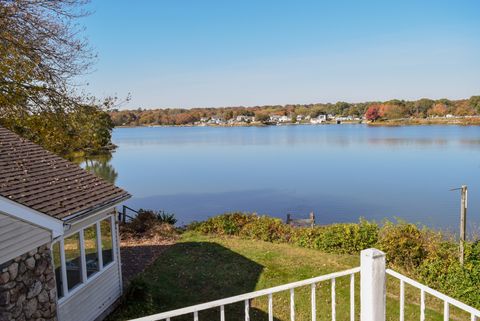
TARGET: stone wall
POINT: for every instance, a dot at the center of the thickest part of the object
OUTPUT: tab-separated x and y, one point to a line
28	288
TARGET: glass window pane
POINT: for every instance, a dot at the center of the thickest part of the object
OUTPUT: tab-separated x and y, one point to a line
57	265
107	245
72	260
91	253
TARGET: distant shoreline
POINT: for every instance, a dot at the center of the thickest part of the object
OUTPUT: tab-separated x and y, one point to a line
467	121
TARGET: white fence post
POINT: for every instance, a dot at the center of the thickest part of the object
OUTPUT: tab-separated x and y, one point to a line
372	285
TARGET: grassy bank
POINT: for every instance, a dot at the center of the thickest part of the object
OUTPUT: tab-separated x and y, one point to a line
201	268
237	253
423	254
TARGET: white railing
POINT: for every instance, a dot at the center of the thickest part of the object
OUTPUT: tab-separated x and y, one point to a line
447	301
372	295
269	293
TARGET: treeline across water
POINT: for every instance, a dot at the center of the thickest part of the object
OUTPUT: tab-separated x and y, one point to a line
373	111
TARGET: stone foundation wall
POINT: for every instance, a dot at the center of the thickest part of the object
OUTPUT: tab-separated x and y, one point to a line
28	288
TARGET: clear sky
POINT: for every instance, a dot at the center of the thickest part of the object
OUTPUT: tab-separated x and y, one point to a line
178	53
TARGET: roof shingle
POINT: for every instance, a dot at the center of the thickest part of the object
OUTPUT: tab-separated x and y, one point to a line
45	182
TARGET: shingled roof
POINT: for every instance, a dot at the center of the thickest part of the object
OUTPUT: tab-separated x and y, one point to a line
47	183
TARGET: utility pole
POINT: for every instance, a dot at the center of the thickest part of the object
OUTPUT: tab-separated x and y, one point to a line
463	221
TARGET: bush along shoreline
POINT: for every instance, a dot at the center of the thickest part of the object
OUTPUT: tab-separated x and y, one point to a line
422	253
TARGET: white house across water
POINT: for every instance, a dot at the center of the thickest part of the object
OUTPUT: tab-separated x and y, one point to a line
59	243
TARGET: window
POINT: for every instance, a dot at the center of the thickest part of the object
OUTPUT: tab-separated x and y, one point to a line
91	252
57	264
72	260
107	244
78	257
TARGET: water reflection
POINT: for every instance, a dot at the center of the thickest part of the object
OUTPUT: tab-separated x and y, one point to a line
100	165
391	141
340	172
326	135
199	206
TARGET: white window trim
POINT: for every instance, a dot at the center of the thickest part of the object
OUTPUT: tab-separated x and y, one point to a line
99	244
101	268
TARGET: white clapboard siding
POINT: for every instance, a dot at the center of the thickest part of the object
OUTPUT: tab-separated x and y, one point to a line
94	298
18	237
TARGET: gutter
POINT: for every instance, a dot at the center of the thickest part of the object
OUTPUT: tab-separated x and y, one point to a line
78	216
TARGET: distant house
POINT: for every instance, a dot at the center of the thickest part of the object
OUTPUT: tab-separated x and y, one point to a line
59	244
285	119
216	121
244	119
344	118
275	118
319	119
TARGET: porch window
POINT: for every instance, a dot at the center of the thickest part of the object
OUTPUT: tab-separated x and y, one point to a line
72	260
107	244
77	258
91	252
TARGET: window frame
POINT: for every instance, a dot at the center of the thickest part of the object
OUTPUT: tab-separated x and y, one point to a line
78	233
87	277
85	280
112	239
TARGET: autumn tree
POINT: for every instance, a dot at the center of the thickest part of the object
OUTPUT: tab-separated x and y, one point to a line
294	118
474	103
262	117
228	114
372	113
464	109
184	118
391	111
439	109
422	106
341	108
41	53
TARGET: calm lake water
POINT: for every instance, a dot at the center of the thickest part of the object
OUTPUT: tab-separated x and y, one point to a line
341	172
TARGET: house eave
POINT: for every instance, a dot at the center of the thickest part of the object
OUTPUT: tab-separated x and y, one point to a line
83	214
32	216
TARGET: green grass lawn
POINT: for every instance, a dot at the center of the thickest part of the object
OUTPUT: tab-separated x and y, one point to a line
199	269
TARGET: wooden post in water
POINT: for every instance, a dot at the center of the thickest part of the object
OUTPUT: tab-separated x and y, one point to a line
463	221
312	219
289	219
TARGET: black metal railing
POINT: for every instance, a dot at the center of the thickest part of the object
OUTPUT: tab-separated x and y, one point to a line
123	216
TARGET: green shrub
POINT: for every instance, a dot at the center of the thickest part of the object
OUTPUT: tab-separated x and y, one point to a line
266	228
167	218
305	237
226	224
472	252
149	223
335	238
442	270
142	222
339	238
406	245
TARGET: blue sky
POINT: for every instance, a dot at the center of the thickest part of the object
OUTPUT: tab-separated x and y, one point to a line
176	53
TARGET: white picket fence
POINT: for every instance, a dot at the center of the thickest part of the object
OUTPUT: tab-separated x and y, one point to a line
447	301
372	295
